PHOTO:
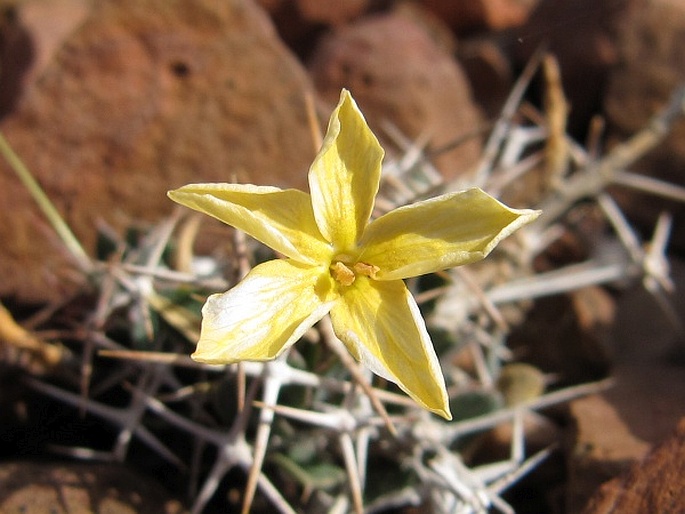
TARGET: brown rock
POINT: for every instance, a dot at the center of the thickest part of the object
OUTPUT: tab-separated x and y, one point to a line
301	22
315	11
582	35
470	15
657	484
489	71
50	488
645	332
559	340
649	398
614	430
144	97
398	73
539	433
603	447
16	53
30	33
651	66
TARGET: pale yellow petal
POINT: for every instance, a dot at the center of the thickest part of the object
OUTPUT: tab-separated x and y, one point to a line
381	325
281	219
264	314
344	177
436	234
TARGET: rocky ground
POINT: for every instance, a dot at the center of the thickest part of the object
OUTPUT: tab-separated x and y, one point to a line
111	104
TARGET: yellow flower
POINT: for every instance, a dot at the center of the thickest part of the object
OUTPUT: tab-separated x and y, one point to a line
339	262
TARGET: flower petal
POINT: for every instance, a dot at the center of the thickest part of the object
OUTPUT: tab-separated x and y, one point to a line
382	327
344	176
440	233
264	314
281	219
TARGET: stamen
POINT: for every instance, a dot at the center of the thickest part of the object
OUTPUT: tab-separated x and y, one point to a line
342	273
368	270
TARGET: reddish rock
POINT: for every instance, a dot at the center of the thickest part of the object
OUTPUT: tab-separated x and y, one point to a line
644	332
558	338
470	15
539	433
614	430
16	54
603	447
398	73
315	11
650	65
144	97
582	35
301	22
30	33
63	488
489	71
657	484
650	68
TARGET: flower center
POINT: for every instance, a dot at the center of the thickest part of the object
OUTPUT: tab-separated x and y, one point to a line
345	272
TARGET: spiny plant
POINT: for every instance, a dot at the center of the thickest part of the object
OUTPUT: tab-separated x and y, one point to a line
312	430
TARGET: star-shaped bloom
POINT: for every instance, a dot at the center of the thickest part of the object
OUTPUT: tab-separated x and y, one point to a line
338	262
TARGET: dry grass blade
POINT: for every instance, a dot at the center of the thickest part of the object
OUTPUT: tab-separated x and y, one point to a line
592	180
556	114
18	345
46	205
